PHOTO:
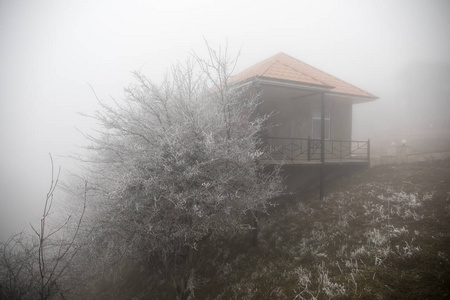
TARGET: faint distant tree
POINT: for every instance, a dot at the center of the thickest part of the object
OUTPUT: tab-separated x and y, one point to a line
34	267
177	164
17	276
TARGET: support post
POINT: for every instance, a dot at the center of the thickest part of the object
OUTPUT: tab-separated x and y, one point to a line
368	151
322	146
309	148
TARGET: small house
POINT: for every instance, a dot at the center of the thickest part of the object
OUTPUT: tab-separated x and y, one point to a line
307	105
310	130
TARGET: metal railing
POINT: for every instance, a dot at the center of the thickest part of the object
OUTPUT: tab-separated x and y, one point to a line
308	149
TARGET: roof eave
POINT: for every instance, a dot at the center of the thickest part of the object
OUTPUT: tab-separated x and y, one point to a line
356	99
286	83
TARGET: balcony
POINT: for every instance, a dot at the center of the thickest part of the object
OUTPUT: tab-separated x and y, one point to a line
308	151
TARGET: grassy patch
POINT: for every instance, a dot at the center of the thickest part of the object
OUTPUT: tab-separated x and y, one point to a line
383	233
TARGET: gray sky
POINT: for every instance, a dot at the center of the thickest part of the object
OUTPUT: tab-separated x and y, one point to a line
51	50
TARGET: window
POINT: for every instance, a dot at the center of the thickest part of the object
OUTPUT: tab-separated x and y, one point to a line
316	125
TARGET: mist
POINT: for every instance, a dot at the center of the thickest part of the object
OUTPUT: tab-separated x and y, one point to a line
414	109
52	51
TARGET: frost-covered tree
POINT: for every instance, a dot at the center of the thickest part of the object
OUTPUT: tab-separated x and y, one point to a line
177	163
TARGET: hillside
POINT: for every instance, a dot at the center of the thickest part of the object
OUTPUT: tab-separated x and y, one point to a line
382	233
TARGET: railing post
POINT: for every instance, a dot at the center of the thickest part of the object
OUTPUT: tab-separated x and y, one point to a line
309	148
292	149
368	151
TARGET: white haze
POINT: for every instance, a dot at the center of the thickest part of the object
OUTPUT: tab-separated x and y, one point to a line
50	51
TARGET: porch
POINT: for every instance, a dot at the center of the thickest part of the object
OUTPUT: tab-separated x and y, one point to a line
308	151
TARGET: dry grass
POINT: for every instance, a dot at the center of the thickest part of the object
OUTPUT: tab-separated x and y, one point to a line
383	233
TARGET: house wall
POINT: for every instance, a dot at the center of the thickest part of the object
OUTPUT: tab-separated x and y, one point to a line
341	119
292	115
290	118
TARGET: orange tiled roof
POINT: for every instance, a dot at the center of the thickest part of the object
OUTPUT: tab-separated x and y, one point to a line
286	68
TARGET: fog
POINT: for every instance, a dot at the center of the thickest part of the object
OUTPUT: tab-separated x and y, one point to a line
51	51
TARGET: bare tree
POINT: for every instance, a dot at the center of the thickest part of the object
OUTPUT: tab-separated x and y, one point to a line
16	267
176	164
35	266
